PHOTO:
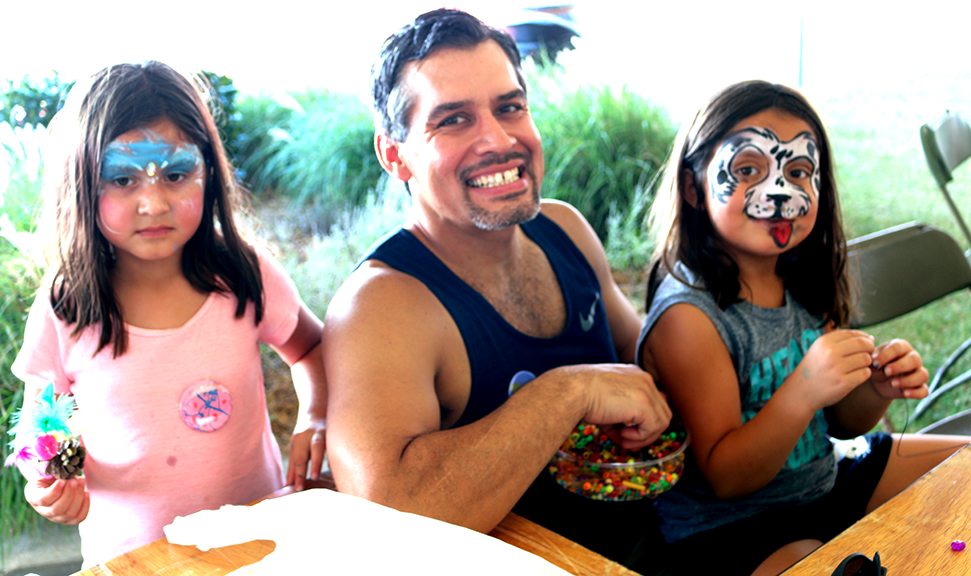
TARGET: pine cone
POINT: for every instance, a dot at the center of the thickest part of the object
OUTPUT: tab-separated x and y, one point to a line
69	460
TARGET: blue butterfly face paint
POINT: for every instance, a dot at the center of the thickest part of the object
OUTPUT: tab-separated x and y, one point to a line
149	160
150	200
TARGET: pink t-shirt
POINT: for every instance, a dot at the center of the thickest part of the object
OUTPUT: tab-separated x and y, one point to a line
148	461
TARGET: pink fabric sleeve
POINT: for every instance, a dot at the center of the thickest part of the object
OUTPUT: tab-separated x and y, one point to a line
281	301
40	358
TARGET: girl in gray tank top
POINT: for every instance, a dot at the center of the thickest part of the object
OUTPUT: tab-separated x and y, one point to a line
747	335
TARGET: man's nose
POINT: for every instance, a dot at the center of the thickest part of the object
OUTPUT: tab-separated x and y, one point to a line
493	137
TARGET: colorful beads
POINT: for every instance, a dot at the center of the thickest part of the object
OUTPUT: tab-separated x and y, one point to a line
590	464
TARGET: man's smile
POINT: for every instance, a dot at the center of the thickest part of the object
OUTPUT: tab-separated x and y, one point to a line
497	179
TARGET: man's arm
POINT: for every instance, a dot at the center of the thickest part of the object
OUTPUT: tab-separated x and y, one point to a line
392	353
625	326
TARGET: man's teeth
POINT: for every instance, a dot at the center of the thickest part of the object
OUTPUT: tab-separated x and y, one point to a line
493	180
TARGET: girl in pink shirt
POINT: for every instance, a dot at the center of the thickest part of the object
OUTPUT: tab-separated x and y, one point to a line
151	317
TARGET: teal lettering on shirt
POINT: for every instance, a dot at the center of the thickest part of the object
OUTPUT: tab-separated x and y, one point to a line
765	378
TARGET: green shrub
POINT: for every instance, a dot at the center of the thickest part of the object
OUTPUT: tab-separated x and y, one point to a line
31	102
324	263
223	94
629	243
315	148
603	147
19	279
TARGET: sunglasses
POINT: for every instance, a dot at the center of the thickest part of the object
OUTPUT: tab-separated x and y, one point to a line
860	565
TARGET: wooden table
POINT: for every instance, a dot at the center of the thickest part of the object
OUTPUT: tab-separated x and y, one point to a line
160	558
913	531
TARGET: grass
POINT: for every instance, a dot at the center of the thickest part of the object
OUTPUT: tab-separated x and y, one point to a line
884	181
603	147
315	148
19	278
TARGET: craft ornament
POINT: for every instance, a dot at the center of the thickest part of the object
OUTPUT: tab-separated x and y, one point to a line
44	440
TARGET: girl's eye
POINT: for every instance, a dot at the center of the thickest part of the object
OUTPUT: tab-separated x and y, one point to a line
798	173
175	177
123	181
746	171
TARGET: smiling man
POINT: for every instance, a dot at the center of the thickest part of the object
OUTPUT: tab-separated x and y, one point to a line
485	291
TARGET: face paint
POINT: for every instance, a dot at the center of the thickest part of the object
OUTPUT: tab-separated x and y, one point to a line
150	159
780	179
152	190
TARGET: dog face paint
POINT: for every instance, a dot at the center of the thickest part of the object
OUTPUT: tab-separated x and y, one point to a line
779	180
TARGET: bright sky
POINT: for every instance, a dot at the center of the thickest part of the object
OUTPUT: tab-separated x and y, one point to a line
674	52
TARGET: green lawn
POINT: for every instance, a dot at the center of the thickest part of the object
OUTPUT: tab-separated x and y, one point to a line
884	181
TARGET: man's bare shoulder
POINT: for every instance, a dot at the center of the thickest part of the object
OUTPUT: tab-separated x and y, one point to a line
577	228
375	289
571	221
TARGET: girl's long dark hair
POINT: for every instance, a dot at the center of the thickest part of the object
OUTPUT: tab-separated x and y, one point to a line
115	100
814	271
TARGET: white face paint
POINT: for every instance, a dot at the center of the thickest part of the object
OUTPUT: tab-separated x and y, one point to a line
779	179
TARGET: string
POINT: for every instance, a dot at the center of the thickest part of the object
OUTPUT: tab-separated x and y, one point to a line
900	439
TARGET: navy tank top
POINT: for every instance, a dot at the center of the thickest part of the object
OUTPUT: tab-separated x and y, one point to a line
500	357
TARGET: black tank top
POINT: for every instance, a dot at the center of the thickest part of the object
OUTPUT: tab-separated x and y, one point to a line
501	357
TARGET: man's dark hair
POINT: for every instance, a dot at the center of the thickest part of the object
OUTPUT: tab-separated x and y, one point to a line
432	31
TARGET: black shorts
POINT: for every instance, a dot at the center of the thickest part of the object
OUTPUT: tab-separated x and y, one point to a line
739	547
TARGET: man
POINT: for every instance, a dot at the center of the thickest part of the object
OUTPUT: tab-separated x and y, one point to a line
477	294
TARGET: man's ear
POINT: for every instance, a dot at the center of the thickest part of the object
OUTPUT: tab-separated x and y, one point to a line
389	155
690	190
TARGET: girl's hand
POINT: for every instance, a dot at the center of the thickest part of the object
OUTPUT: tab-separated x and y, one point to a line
898	371
836	363
308	444
61	501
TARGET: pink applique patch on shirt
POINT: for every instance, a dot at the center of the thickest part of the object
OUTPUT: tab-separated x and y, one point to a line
206	406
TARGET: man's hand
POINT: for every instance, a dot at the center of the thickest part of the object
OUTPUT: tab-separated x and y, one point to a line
623	394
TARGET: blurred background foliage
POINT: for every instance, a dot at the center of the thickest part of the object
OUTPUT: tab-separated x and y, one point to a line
32	102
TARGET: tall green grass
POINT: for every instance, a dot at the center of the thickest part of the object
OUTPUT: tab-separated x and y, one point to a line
603	146
884	181
315	148
19	278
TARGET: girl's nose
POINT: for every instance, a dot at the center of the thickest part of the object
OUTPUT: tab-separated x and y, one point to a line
152	200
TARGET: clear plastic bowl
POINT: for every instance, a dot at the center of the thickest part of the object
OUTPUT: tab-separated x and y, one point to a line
623	476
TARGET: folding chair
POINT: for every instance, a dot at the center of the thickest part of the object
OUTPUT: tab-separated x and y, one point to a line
901	269
947	143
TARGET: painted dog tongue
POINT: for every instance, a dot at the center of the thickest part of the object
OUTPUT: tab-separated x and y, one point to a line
781	231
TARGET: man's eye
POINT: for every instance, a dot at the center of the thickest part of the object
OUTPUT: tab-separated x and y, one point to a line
510	108
452	121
